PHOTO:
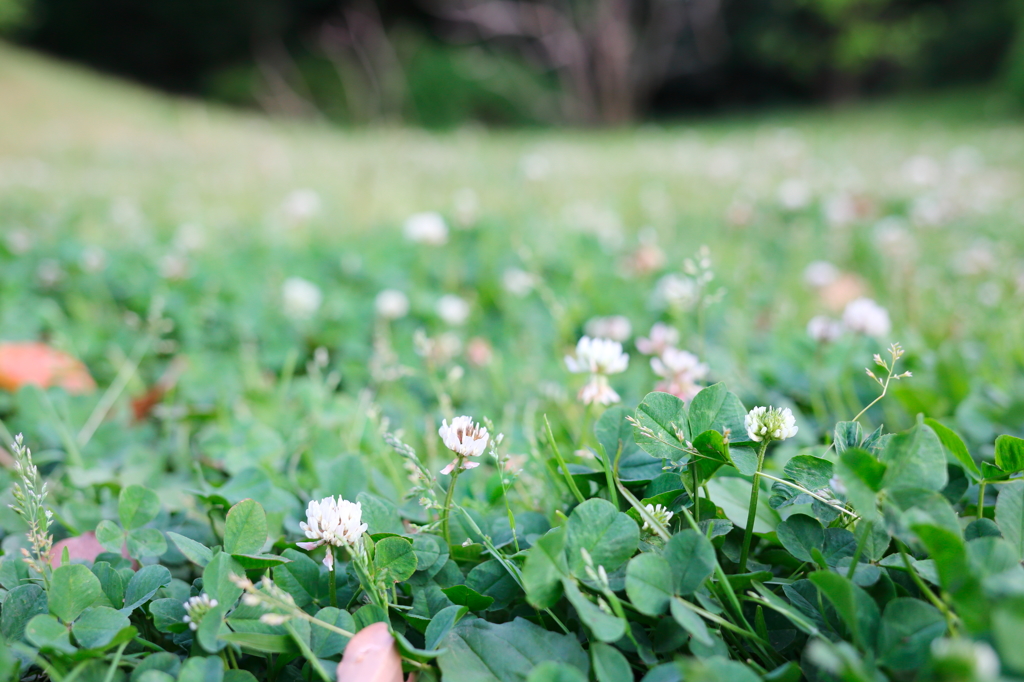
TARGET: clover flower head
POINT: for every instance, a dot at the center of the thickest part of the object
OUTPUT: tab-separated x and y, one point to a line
770	423
196	608
661	338
681	370
976	660
614	327
599	391
824	329
301	298
337	523
391	304
660	513
426	228
866	317
466	439
453	310
597	356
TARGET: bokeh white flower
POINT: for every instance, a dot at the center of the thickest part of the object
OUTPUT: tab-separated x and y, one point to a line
824	329
820	273
518	282
453	310
794	194
392	304
301	298
426	228
301	205
865	316
658	340
333	522
466	439
765	424
677	292
614	327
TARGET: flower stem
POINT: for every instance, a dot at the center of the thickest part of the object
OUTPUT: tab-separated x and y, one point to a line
981	499
333	579
748	532
448	502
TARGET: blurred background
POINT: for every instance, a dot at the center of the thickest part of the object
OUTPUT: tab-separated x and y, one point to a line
444	63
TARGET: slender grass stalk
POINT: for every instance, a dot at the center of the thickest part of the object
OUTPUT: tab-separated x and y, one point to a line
561	463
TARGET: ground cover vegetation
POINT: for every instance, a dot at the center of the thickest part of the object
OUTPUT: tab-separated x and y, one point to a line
724	401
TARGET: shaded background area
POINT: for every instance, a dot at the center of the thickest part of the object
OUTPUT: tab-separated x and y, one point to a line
441	63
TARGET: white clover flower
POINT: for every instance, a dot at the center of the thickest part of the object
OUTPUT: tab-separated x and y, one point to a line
426	228
678	292
660	338
392	304
770	423
820	273
660	514
681	370
337	523
922	170
196	608
597	356
794	194
300	205
465	439
453	309
977	656
824	329
518	282
614	327
301	298
864	316
598	390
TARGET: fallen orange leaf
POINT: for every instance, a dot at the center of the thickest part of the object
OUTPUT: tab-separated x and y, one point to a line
36	364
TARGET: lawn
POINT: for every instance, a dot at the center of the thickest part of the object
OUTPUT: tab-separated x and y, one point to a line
283	311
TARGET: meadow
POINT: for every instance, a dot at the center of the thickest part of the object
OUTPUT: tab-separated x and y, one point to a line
278	313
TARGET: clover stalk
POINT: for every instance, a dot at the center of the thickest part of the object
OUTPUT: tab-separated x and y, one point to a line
446	512
748	532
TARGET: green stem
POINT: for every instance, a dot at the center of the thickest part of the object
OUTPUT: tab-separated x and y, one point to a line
981	499
446	512
865	531
561	463
755	490
332	577
936	602
696	492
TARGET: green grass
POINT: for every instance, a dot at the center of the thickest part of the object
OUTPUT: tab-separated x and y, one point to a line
257	410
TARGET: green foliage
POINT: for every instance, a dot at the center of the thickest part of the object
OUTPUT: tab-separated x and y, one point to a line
874	551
